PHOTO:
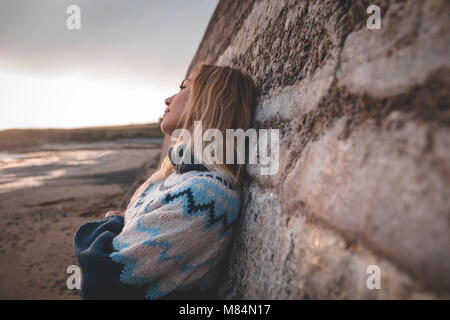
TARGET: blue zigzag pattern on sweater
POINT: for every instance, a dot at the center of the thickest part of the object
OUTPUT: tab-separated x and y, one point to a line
154	291
196	204
130	263
196	201
142	196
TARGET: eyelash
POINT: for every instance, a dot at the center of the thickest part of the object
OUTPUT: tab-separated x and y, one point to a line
182	87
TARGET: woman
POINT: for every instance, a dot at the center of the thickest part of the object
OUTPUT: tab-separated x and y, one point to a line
171	241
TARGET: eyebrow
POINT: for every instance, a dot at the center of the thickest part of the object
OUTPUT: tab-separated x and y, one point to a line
185	80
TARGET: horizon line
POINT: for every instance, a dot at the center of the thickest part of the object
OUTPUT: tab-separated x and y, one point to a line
80	127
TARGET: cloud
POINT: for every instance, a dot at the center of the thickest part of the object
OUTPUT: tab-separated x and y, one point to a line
133	40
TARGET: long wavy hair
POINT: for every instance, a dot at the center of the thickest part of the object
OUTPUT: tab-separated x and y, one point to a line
221	98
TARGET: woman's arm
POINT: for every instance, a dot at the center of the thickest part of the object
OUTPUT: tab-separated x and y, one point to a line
100	274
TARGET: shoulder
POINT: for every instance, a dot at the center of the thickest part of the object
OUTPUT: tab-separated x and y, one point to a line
207	183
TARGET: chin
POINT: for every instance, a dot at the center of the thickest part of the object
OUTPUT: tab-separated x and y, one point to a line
165	128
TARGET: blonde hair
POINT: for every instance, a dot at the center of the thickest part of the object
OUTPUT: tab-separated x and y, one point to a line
221	98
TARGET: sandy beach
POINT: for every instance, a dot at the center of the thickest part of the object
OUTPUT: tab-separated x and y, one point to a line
45	195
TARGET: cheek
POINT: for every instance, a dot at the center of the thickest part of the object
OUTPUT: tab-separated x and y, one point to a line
179	103
176	111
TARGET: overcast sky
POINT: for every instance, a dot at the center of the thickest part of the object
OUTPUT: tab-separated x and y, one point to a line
127	57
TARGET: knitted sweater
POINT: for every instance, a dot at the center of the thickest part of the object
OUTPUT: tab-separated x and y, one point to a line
170	244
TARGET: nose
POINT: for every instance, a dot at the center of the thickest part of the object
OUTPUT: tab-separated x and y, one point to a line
168	101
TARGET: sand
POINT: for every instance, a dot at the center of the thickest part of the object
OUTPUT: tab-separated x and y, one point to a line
46	195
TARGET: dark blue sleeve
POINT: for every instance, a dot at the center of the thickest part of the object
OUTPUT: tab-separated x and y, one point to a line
100	275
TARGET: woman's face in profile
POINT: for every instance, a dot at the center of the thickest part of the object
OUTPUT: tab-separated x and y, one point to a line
172	118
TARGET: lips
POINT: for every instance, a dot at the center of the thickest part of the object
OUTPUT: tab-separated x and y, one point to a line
167	110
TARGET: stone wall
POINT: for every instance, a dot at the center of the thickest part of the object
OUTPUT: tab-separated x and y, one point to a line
364	175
